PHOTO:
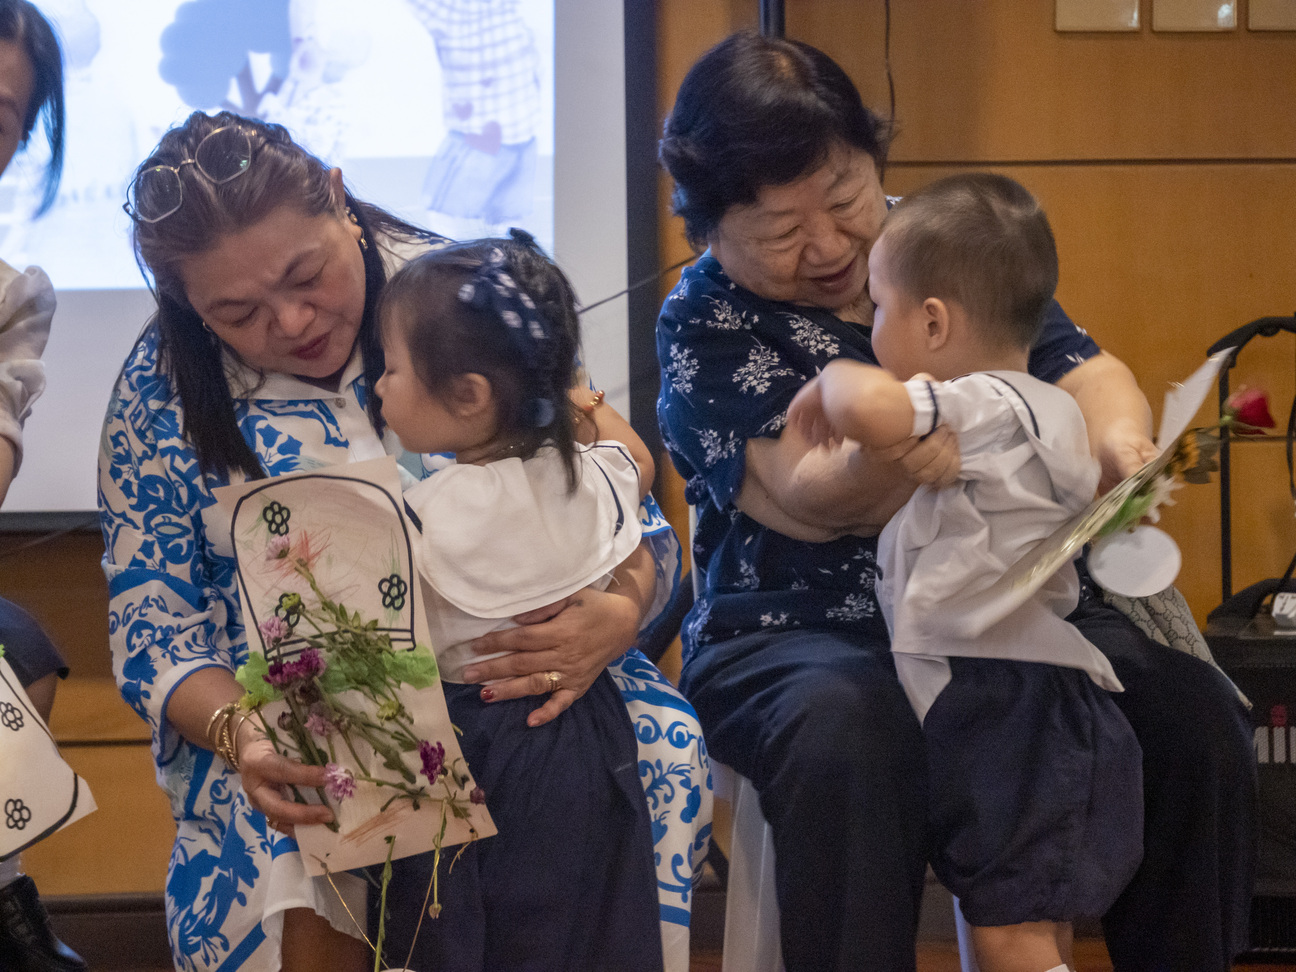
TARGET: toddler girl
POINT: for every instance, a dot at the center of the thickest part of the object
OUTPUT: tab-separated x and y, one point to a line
481	342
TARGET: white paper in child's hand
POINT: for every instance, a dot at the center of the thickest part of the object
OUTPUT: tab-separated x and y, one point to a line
347	521
1182	402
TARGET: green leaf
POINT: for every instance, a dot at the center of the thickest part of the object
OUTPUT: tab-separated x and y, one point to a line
251	675
416	667
1130	512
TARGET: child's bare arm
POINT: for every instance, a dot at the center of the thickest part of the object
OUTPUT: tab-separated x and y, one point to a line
852	400
602	421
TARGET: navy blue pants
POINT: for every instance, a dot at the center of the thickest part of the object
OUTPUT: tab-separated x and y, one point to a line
1188	906
569	883
819	723
1035	792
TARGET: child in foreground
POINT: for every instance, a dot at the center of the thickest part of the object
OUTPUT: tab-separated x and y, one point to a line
1036	807
481	342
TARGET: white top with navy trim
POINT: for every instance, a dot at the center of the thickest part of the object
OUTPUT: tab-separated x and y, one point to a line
509	536
1026	470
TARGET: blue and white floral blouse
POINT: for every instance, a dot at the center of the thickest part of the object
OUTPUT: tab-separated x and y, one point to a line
731	363
174	611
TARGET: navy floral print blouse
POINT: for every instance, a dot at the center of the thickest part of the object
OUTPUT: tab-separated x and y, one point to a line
731	363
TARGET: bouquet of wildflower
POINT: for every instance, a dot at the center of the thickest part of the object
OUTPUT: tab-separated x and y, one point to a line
338	673
341	698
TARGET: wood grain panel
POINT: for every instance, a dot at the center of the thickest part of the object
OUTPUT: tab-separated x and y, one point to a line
90	710
994	80
124	846
61	582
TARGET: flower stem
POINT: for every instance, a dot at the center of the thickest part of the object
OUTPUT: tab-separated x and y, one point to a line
382	906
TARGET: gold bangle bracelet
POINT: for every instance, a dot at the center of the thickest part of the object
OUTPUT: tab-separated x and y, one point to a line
219	735
224	711
226	748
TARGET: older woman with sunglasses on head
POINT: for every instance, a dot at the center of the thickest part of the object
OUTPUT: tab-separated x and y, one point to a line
261	360
777	167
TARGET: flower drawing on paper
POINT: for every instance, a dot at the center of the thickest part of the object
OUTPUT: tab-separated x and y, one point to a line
340	690
393	590
289	609
276	517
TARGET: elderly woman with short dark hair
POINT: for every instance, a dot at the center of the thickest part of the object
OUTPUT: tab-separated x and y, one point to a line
777	167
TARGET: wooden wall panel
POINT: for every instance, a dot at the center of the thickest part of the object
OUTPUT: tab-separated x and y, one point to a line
994	80
62	584
121	848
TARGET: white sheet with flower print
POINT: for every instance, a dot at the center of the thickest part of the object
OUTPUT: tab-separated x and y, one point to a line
346	524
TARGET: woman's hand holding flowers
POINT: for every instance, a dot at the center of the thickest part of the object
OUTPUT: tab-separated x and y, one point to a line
267	777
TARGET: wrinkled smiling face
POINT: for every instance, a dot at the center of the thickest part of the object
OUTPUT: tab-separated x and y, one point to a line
286	294
807	242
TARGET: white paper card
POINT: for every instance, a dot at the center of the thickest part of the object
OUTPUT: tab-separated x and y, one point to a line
348	522
1030	573
39	792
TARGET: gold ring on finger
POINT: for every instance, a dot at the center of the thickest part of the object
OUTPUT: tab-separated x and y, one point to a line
555	681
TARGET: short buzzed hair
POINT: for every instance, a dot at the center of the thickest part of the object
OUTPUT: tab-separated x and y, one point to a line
983	241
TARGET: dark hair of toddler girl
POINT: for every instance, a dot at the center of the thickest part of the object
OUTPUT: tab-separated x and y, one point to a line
499	308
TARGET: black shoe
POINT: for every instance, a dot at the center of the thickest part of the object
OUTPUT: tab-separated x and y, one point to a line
27	943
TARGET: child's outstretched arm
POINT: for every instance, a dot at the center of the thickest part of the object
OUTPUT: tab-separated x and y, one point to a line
601	421
852	400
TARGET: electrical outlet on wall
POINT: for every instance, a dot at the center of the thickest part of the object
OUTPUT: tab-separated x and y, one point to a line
1284	610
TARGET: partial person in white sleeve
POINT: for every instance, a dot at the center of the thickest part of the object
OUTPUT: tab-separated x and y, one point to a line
1035	801
31	90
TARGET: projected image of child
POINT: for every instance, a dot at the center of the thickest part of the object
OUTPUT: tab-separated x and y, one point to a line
482	177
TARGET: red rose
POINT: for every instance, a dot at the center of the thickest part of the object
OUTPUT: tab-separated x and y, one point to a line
1248	407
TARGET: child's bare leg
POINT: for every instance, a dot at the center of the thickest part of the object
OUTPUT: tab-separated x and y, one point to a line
1032	946
311	944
